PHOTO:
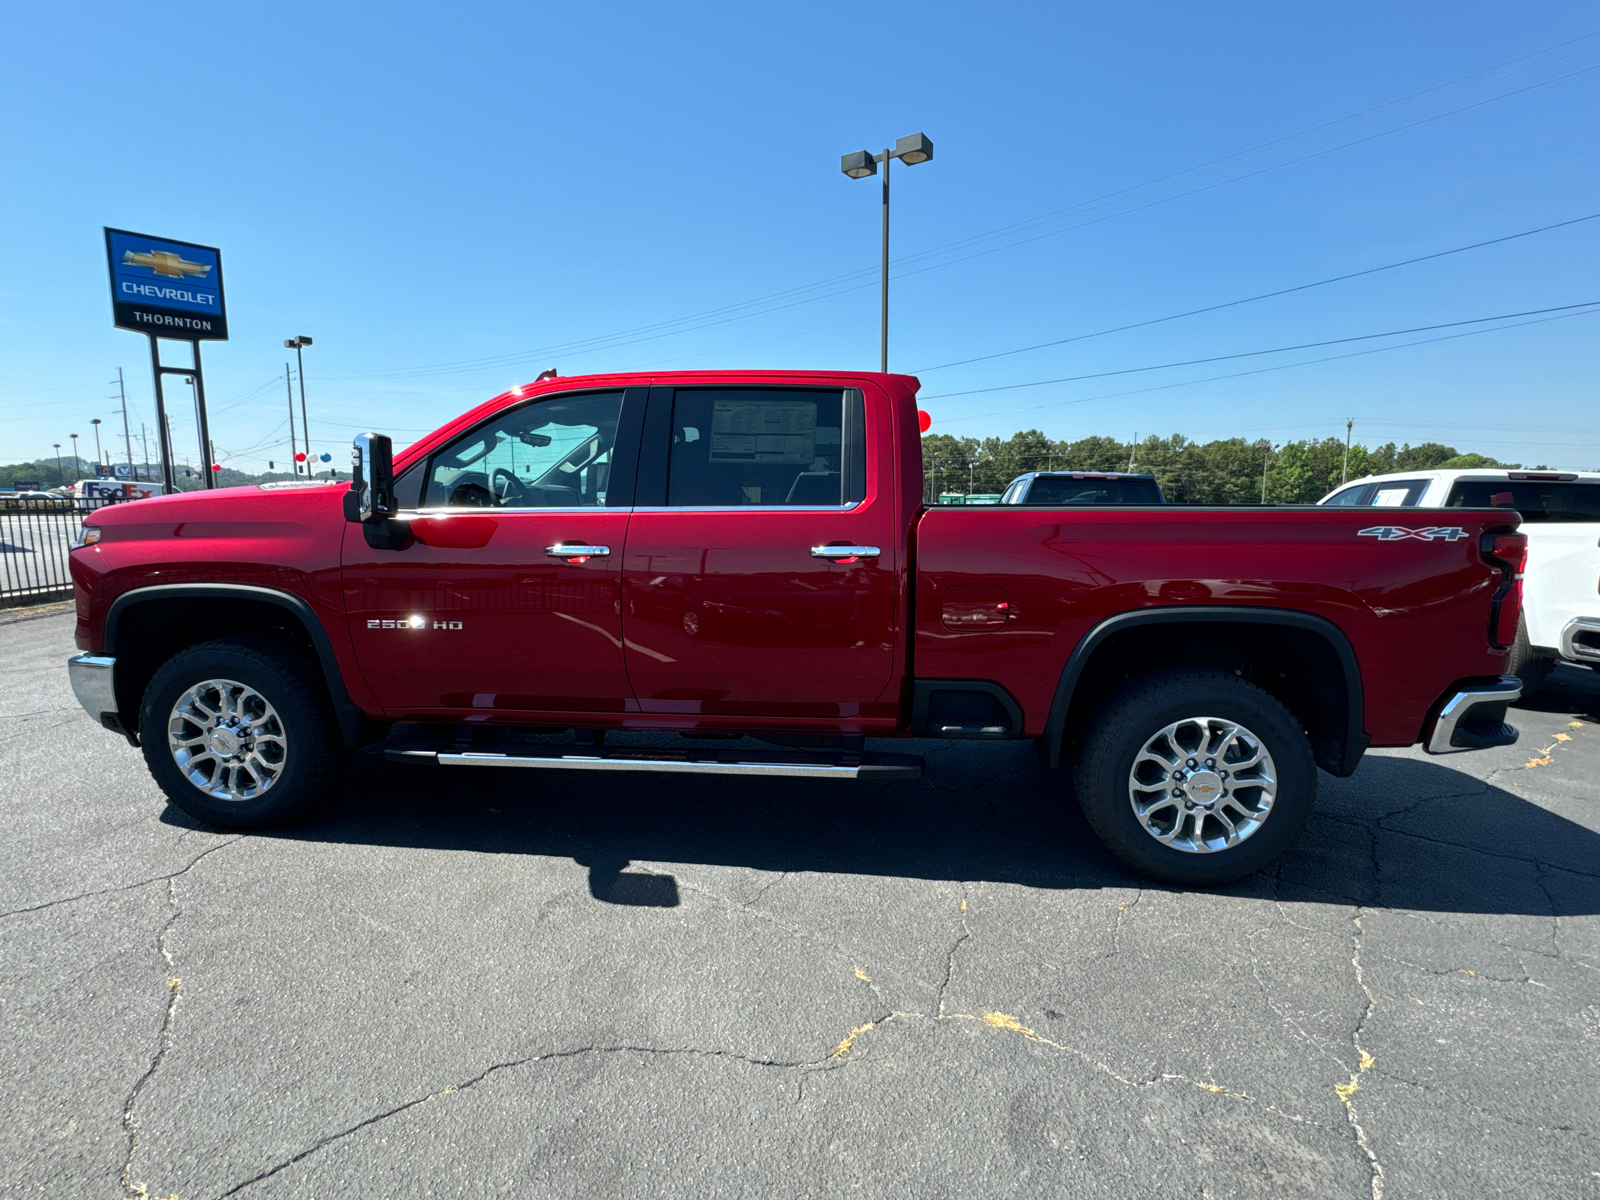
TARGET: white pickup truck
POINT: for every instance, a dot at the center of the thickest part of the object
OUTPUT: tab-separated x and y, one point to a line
1561	516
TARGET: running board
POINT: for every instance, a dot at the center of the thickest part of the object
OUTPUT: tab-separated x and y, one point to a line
688	761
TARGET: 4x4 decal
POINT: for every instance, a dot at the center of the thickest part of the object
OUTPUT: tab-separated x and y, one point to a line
1426	533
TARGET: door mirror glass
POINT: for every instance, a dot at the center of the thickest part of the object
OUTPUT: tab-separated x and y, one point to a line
371	480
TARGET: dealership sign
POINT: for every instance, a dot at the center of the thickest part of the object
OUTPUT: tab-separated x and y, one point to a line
166	288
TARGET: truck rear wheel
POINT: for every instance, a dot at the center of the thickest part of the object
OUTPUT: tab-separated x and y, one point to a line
1194	776
1533	669
239	732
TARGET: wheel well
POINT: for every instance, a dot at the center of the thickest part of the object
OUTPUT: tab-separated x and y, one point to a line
1296	663
149	633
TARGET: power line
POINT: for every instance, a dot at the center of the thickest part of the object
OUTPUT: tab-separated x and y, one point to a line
1194	312
662	329
1296	138
1163	387
1194	362
1249	174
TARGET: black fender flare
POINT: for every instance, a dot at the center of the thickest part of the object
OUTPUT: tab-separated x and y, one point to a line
1356	737
351	719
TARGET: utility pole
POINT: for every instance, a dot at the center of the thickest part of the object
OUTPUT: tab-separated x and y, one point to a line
1344	475
1132	447
289	388
127	437
144	442
1265	459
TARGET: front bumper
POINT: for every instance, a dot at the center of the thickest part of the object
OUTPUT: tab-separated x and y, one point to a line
1474	718
92	677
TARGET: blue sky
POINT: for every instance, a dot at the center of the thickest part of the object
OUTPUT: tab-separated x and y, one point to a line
422	189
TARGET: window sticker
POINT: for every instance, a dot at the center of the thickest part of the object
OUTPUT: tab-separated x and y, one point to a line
1390	498
764	431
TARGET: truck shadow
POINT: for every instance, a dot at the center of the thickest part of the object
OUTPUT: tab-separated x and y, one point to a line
1401	833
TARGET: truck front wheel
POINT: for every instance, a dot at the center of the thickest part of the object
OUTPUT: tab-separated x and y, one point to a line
1195	776
239	732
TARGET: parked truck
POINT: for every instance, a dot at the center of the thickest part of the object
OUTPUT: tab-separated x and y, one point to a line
745	558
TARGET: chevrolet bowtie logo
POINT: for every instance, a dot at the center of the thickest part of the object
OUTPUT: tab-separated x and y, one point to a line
166	264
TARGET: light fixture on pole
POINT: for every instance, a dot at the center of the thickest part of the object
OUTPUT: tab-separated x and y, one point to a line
76	461
95	421
297	344
916	148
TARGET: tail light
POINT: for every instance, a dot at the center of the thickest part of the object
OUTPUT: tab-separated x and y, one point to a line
1508	552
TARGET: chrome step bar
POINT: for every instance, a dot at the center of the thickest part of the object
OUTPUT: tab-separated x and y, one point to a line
826	765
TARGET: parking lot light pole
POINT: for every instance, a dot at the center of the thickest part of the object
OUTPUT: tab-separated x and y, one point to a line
61	476
95	421
858	165
296	344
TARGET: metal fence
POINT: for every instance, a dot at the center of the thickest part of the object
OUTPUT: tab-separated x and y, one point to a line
36	536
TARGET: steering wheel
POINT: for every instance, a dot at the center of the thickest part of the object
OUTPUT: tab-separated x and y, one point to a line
509	491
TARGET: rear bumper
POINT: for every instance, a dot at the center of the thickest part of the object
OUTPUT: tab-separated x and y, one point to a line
1580	640
1473	718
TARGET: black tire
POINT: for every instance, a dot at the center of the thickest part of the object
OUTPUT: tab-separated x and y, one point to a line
1141	708
285	677
1530	667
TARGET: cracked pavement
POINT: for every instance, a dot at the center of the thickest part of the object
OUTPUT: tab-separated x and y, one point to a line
626	985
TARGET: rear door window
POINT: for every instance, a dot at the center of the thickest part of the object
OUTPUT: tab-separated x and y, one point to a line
1063	490
737	447
1536	501
1360	494
1398	493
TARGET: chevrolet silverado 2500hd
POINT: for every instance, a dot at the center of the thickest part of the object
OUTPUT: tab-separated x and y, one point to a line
726	554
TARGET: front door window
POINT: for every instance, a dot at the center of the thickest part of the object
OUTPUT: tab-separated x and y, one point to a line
554	454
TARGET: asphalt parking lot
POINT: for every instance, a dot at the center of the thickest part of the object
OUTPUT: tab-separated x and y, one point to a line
520	984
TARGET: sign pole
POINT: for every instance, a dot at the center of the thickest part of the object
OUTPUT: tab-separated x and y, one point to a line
169	482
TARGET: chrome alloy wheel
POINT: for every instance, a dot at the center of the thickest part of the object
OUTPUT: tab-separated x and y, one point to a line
227	740
1202	784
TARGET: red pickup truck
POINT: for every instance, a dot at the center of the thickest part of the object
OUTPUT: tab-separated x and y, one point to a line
745	558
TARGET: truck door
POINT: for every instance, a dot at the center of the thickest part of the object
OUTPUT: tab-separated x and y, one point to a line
761	568
510	597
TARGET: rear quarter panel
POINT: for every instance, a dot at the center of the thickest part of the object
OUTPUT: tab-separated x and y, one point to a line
1416	612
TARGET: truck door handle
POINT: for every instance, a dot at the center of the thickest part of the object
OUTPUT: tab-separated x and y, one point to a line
845	552
572	551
